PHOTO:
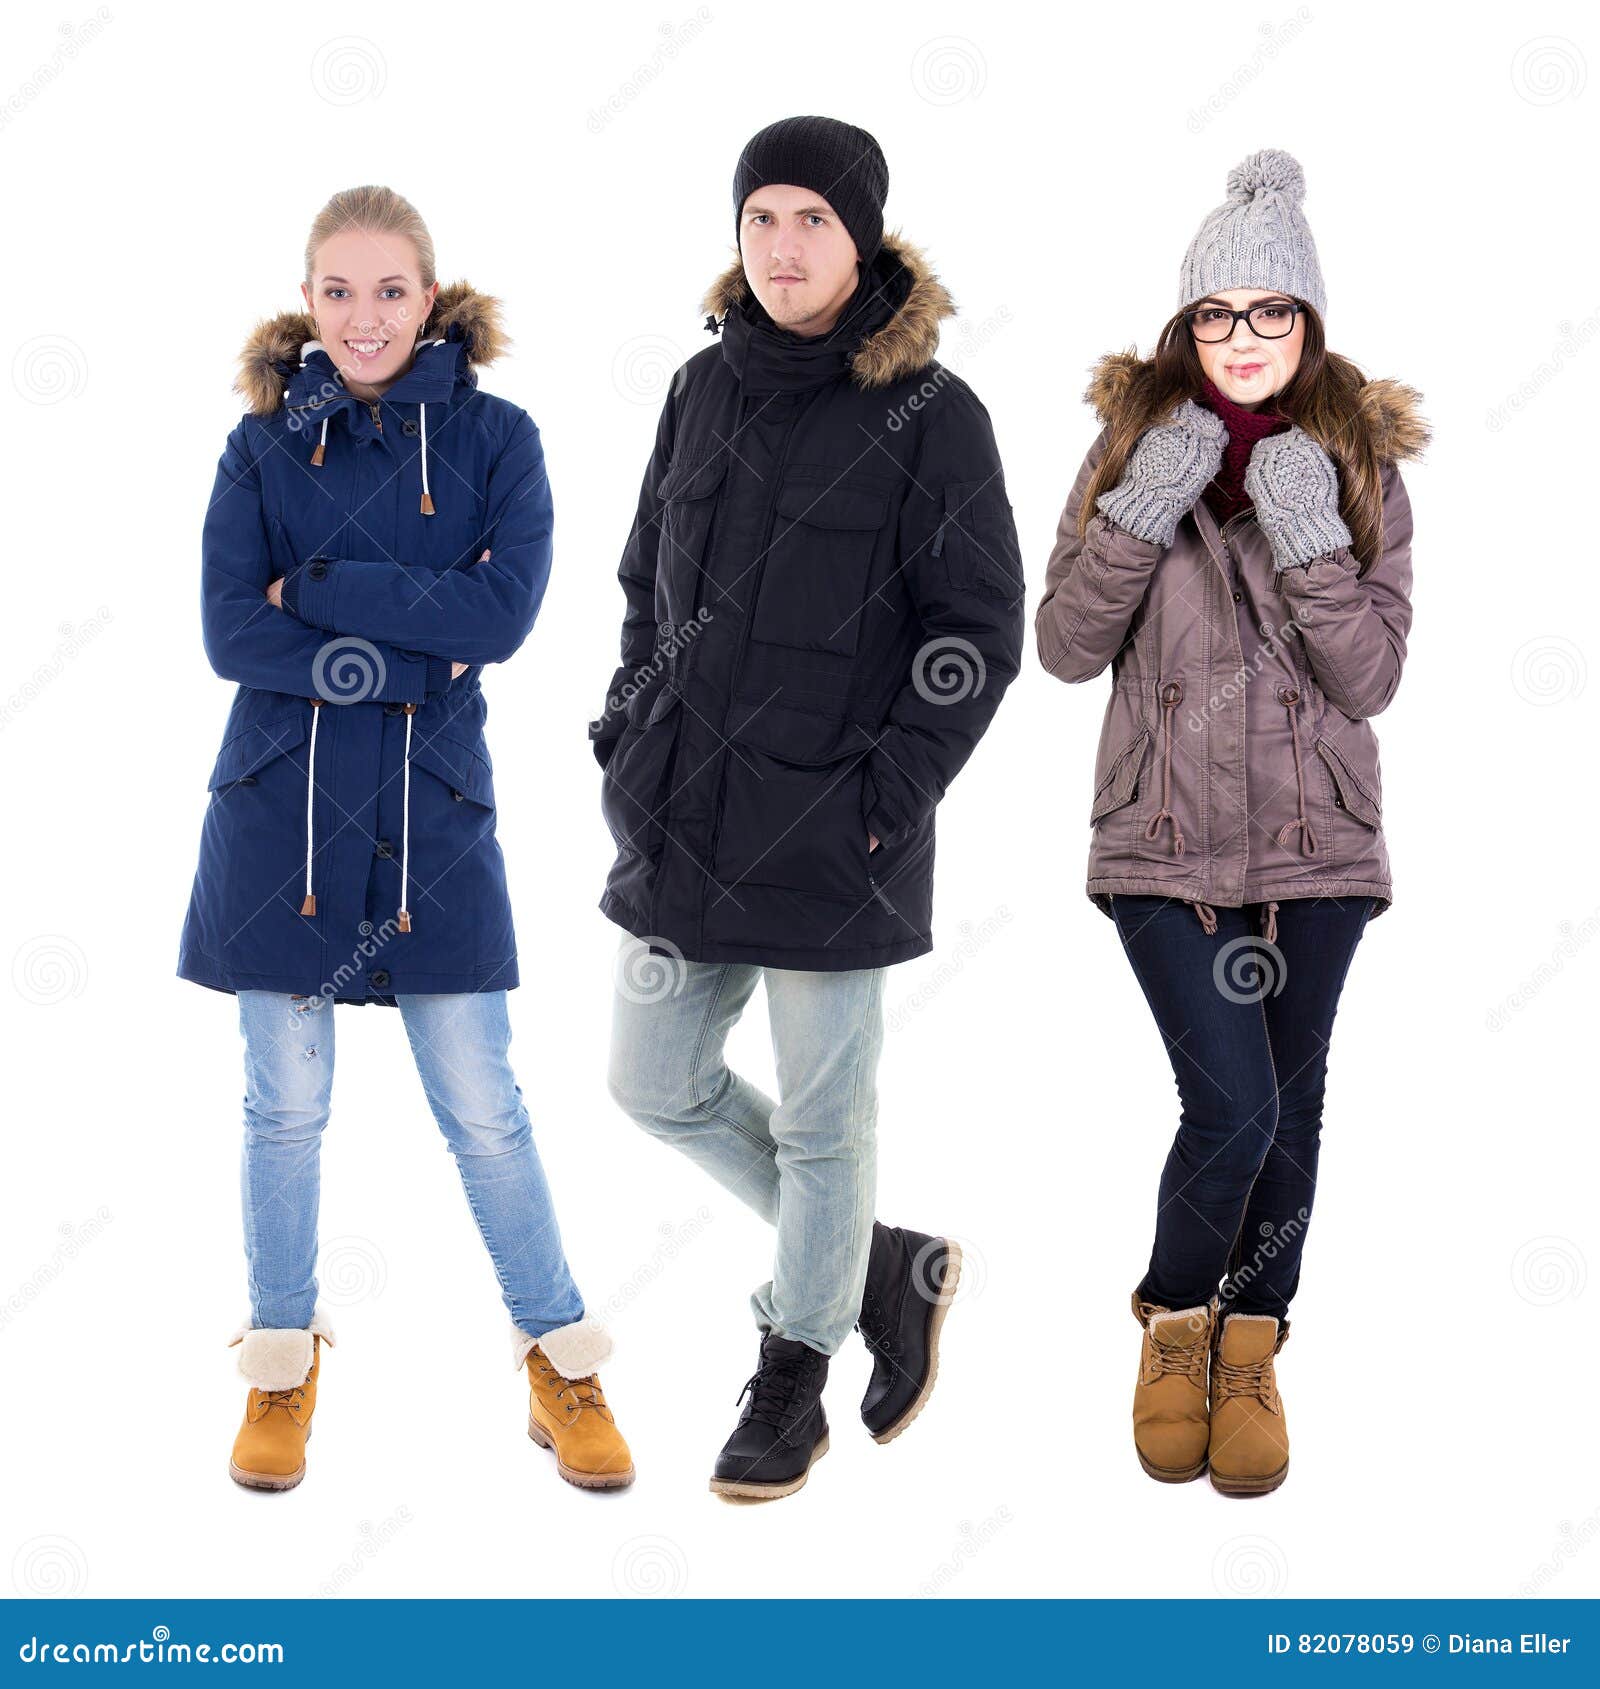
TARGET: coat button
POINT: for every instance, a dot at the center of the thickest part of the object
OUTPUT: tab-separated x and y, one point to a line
458	796
1238	598
380	978
246	780
393	709
317	570
384	849
1338	802
1172	693
408	428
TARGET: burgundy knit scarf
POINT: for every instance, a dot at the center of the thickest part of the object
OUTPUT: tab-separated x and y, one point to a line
1226	495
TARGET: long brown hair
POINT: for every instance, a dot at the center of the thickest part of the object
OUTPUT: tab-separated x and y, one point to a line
1323	397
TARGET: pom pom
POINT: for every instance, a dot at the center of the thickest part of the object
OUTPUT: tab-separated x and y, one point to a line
1270	171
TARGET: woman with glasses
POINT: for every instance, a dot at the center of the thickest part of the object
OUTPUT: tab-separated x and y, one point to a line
1237	547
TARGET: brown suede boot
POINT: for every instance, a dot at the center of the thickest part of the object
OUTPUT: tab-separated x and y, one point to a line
1249	1439
570	1416
1170	1423
269	1452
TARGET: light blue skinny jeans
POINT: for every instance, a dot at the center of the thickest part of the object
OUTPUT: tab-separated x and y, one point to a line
460	1042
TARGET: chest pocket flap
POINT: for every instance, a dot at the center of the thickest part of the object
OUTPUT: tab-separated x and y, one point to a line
818	565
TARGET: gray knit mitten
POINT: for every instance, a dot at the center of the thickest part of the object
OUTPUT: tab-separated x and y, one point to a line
1294	486
1167	470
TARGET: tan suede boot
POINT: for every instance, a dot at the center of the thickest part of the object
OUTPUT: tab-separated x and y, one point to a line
1170	1423
282	1366
1249	1438
570	1416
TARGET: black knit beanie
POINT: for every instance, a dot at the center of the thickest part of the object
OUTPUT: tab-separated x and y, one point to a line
842	163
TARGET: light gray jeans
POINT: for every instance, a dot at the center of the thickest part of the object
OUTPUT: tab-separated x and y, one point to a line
807	1163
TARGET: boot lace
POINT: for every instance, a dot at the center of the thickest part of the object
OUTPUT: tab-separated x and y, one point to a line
874	1326
1244	1378
771	1389
1175	1360
585	1392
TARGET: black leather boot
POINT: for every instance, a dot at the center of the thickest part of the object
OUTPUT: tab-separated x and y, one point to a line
782	1430
911	1278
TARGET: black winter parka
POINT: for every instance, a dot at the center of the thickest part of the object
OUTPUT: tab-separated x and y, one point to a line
824	608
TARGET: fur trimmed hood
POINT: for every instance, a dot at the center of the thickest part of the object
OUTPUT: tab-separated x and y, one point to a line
1390	410
273	352
905	344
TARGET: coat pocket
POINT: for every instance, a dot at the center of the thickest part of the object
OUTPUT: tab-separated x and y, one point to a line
1352	794
244	756
792	812
688	506
634	788
977	538
1120	783
814	579
460	767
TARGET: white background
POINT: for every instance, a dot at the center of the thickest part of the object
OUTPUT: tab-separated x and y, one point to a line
161	169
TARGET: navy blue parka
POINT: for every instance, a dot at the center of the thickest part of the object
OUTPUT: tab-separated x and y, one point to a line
348	848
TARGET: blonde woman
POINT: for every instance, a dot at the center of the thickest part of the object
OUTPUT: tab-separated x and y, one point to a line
379	531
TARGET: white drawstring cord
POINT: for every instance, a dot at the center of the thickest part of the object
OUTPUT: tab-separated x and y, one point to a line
404	914
427	502
309	907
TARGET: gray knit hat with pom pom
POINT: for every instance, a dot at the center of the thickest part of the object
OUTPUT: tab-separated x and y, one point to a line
1257	237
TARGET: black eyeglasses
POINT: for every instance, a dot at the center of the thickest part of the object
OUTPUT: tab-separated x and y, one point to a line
1270	321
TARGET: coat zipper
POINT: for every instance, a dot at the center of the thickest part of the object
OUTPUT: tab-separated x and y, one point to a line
377	417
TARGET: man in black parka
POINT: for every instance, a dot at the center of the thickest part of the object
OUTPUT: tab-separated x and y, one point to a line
824	607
